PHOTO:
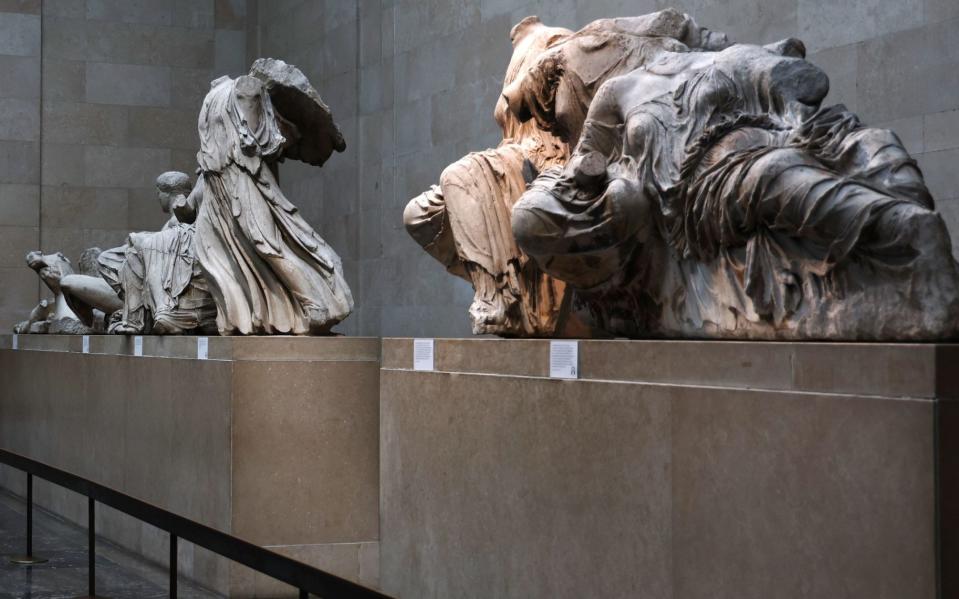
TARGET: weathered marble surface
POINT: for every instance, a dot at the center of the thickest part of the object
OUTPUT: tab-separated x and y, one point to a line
709	194
151	284
156	273
56	315
268	270
464	221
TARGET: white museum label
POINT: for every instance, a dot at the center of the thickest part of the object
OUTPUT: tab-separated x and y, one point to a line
86	344
564	359
16	341
422	354
202	348
138	346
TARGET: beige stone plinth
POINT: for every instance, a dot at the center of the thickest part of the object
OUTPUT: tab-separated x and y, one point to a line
669	470
272	439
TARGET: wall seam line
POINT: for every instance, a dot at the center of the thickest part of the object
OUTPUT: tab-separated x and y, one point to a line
40	156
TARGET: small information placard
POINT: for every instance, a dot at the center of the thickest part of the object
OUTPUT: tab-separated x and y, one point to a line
86	344
138	346
564	359
422	354
16	341
202	348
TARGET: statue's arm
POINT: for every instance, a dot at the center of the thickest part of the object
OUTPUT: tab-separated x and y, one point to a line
41	312
289	130
185	208
603	129
672	23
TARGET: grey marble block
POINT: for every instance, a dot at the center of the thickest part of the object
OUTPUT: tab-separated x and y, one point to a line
669	469
274	440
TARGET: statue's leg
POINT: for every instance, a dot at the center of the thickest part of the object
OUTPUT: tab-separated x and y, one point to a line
427	222
465	224
314	297
93	291
906	233
830	214
133	315
878	156
479	191
492	301
789	193
584	242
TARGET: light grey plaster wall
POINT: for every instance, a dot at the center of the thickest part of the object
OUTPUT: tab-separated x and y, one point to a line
414	83
122	86
98	97
19	154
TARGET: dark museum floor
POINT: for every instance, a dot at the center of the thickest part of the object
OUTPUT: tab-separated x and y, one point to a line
120	574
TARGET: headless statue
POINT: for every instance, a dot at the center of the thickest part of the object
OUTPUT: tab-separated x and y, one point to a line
151	284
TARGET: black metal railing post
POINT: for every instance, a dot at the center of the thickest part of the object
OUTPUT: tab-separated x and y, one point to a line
29	514
29	559
173	566
304	594
92	551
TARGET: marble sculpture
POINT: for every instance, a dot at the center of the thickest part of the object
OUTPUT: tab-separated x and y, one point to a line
148	285
235	257
156	273
268	270
464	222
693	188
57	315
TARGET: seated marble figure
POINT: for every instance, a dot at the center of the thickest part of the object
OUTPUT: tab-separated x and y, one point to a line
149	284
156	273
709	193
464	222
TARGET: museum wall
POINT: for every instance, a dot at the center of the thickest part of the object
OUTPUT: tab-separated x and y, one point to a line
19	156
414	83
98	97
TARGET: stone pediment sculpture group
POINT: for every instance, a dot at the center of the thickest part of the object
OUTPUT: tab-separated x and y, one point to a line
236	256
655	179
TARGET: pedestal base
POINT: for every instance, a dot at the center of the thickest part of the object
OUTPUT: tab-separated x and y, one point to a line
272	439
27	560
670	469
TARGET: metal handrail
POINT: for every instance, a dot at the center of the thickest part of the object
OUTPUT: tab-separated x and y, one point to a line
307	579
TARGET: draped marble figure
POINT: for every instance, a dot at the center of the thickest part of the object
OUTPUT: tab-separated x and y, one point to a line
709	193
267	269
156	273
464	222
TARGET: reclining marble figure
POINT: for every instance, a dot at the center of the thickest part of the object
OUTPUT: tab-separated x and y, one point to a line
710	194
59	315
